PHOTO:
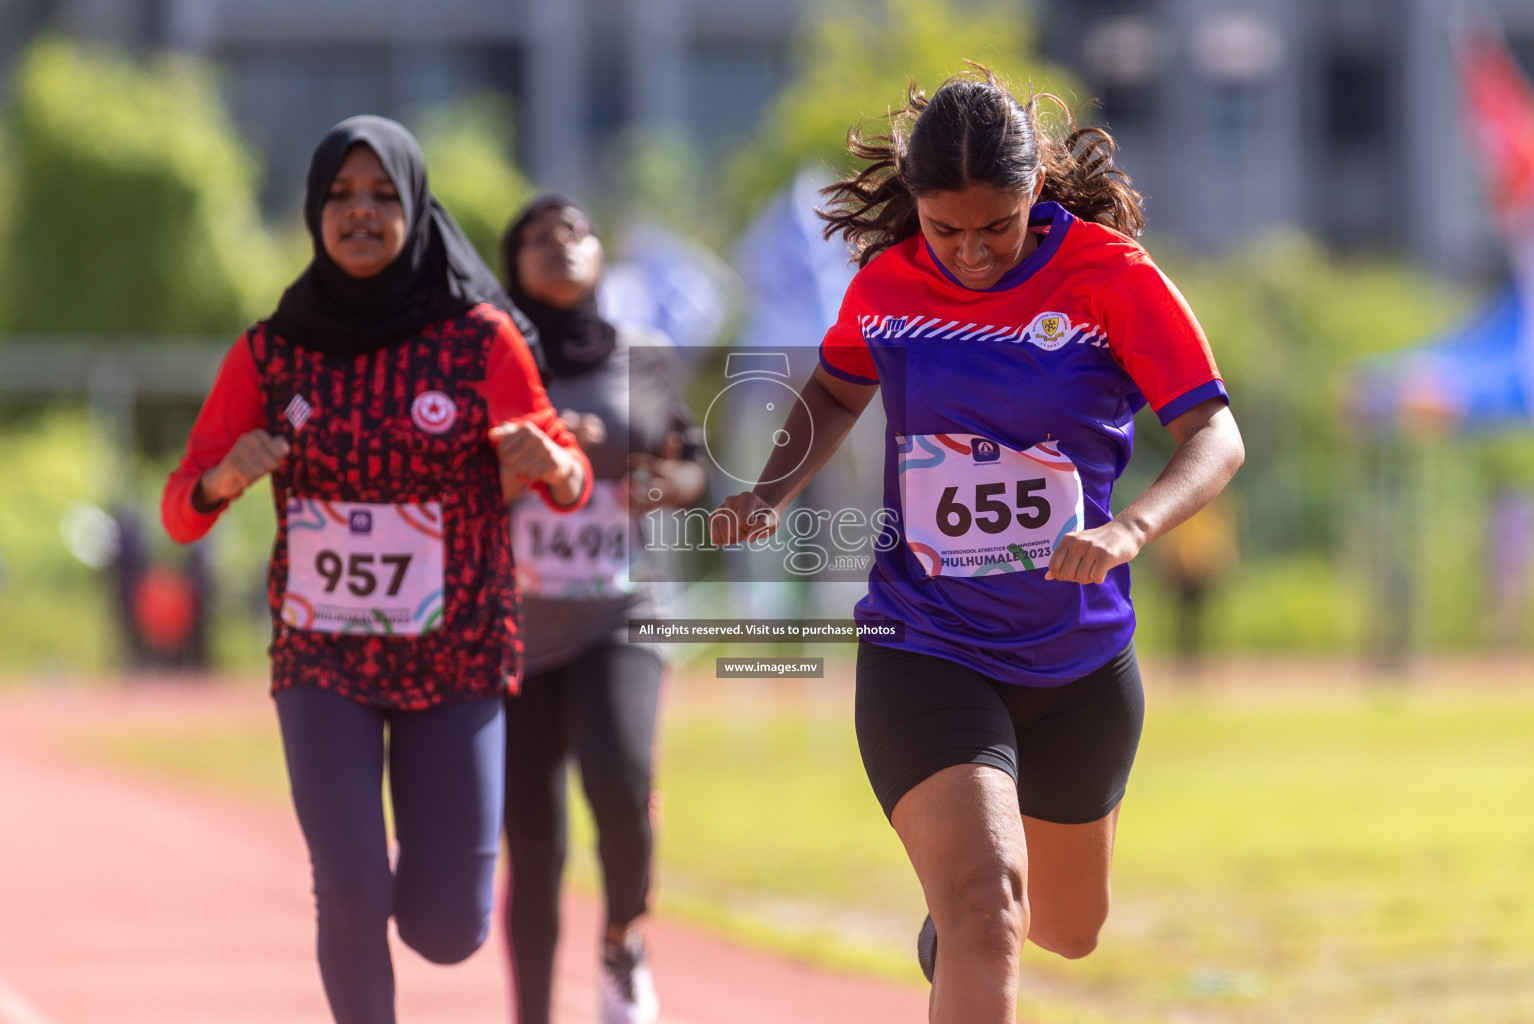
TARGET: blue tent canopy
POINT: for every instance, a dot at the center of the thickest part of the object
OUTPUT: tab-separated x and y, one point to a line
1473	375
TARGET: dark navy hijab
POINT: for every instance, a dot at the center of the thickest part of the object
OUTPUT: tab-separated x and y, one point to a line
437	274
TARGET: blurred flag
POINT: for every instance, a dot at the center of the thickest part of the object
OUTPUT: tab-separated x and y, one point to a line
1470	377
794	277
670	284
1499	108
1481	373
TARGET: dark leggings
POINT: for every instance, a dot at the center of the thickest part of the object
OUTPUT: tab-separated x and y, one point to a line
601	707
445	786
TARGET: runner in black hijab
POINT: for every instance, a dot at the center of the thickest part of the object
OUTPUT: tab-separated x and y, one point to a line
437	275
390	390
588	695
575	340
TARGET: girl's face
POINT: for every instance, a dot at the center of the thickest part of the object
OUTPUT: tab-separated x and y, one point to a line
559	261
362	222
979	232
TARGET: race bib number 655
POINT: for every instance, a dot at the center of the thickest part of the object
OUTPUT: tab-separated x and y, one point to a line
973	507
356	567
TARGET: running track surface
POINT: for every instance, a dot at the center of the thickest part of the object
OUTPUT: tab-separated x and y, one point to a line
126	901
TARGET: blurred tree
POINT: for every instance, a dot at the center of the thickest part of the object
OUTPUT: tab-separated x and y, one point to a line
1335	511
857	60
466	145
666	179
1289	321
133	206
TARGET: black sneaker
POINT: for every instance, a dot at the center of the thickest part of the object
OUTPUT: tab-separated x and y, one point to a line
926	947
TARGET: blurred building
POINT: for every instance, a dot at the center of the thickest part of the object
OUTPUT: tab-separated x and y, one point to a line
1340	116
582	73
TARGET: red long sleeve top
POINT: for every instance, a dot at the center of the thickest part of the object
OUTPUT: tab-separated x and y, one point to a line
405	426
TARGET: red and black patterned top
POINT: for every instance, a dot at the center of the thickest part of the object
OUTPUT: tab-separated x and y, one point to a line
407	423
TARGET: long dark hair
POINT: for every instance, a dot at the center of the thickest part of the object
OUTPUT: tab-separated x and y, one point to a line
973	131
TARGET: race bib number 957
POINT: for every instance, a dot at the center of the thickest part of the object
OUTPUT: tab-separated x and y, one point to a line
356	567
973	507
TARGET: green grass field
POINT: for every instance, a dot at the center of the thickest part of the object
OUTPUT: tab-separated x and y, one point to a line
1283	857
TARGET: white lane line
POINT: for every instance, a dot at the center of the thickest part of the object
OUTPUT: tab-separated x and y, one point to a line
16	1010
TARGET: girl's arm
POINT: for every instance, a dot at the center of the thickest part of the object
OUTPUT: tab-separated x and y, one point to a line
532	444
1209	451
828	404
668	480
675	476
533	453
227	451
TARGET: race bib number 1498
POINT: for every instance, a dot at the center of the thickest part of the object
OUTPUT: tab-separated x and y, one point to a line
580	555
973	507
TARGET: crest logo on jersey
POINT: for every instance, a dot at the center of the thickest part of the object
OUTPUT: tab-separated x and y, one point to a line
1049	330
985	451
298	412
433	412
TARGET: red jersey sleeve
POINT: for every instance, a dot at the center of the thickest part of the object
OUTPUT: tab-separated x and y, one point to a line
514	394
232	409
844	352
1156	339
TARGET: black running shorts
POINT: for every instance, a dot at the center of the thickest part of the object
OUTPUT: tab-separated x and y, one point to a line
1069	747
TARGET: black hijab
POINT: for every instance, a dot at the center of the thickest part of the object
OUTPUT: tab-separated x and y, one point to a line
436	275
574	340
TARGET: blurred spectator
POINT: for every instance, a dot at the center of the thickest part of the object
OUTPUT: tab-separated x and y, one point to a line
1509	553
1194	558
162	610
126	572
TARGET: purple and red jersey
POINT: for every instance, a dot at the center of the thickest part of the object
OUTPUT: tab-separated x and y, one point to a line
402	427
1035	382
